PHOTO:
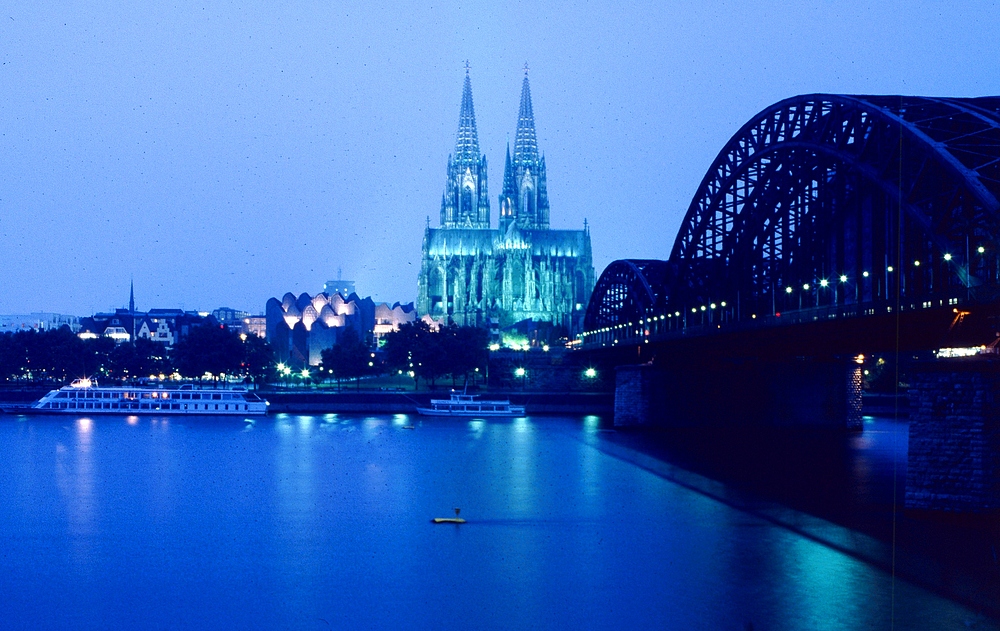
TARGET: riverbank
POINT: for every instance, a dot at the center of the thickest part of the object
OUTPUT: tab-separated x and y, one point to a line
309	402
325	401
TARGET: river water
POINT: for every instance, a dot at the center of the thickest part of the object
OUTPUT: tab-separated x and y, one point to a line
324	522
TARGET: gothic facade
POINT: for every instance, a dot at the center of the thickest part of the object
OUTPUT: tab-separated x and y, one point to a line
473	274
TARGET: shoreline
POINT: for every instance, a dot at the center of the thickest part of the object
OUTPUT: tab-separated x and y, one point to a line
405	402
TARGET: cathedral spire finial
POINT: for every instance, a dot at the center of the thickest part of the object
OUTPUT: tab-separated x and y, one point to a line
467	67
526	69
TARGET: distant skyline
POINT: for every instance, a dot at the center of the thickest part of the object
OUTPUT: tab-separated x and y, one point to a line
223	153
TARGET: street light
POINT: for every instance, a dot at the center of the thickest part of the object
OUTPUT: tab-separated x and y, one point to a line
590	373
521	372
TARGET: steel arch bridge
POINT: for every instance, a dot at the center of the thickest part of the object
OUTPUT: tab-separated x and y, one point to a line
824	207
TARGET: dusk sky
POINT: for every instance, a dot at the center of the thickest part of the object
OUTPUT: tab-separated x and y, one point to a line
220	153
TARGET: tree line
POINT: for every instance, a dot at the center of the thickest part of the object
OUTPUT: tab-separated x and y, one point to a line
415	349
58	356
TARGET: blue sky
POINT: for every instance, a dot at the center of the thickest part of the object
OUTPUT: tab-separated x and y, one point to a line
220	153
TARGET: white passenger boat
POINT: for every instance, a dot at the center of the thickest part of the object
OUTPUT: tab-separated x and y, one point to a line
460	404
84	396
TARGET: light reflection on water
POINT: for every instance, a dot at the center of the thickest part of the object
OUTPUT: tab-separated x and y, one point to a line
305	521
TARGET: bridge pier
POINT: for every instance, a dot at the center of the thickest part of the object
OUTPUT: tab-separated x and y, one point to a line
816	393
953	461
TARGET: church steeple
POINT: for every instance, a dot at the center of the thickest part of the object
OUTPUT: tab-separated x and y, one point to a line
466	202
525	143
526	200
467	143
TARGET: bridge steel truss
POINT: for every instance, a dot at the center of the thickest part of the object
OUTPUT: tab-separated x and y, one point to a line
825	206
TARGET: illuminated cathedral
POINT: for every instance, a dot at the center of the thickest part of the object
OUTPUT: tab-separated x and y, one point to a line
474	274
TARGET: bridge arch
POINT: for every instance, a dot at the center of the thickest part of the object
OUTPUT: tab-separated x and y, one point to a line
628	292
849	204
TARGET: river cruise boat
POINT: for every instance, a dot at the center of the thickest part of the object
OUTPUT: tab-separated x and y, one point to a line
84	396
460	404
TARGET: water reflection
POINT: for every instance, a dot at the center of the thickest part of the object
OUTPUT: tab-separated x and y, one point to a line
287	525
75	480
400	420
521	457
825	590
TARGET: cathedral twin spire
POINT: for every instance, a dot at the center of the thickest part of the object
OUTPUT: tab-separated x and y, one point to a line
466	203
524	201
467	144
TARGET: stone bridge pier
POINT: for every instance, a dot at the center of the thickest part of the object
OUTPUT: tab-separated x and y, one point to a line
953	461
798	392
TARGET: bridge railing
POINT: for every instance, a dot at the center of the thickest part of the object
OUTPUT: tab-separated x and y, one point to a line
696	323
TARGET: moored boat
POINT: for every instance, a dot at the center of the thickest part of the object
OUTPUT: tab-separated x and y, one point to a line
86	397
460	404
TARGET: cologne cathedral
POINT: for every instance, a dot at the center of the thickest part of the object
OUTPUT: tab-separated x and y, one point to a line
473	274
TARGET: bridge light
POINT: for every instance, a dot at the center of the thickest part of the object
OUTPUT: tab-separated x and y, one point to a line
889	269
947	257
824	283
788	290
519	372
981	249
677	314
805	286
843	278
703	307
590	373
723	303
865	274
916	263
712	305
694	310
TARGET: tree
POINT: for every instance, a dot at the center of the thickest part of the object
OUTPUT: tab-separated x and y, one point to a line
54	355
141	358
208	349
258	359
466	348
13	356
427	353
348	358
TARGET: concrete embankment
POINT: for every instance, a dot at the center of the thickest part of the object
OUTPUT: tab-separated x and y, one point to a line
390	402
573	403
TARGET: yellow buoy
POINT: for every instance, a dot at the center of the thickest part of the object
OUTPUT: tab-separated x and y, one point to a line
450	520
